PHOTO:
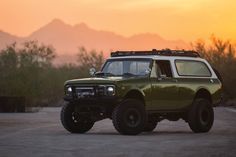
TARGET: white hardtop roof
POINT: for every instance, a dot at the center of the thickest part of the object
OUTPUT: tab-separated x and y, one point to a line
172	62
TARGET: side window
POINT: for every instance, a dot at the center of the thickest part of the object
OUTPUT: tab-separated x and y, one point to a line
192	68
163	68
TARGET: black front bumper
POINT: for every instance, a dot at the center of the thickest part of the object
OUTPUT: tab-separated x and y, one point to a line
108	100
98	108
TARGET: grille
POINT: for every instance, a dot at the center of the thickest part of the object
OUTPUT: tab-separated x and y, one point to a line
101	90
85	92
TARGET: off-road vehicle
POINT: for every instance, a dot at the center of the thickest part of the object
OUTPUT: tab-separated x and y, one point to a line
138	89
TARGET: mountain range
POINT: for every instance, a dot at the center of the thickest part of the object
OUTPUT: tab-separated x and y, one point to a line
66	39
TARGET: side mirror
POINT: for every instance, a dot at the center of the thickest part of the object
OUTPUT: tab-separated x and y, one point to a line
92	71
147	71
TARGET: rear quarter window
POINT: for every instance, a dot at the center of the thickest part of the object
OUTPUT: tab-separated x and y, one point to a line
192	68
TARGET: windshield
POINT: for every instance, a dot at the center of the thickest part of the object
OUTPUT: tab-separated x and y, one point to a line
117	67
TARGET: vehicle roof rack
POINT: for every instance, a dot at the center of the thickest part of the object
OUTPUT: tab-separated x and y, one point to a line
164	52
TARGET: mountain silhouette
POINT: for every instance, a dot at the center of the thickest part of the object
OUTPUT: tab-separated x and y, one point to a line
66	39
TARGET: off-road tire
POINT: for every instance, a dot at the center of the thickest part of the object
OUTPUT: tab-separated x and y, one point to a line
149	126
80	126
201	116
129	117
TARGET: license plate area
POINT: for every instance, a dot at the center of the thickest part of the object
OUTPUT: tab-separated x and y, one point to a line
85	92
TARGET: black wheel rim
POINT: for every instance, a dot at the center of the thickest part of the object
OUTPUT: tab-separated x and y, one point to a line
78	118
205	116
132	117
75	117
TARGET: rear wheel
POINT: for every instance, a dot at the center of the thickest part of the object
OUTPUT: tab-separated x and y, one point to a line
201	116
129	117
73	121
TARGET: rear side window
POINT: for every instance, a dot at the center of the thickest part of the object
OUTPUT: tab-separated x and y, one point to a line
192	68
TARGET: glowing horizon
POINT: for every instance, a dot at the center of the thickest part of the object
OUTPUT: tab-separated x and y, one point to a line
171	19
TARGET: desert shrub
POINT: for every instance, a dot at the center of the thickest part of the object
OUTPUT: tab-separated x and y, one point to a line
27	71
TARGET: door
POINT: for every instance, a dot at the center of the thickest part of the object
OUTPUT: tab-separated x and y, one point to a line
164	86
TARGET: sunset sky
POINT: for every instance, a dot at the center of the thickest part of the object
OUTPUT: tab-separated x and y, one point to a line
172	19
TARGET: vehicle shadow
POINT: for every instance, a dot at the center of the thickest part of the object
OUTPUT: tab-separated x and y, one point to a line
144	133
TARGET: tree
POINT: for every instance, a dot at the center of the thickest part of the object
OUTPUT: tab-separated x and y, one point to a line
22	70
27	71
88	59
33	54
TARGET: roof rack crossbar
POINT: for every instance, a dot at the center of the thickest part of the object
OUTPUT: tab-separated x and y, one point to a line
165	52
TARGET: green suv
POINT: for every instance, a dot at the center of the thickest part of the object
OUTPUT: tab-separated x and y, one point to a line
138	89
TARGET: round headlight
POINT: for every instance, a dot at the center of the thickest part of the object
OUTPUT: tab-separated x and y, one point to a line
110	91
69	89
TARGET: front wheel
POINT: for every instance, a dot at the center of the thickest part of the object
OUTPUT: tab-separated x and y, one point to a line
129	117
201	116
73	121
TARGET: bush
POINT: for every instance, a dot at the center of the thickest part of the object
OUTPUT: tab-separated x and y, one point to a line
28	72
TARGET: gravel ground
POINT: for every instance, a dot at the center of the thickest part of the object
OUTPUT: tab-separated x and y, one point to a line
41	134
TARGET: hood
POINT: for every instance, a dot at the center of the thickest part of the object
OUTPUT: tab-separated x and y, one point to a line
95	80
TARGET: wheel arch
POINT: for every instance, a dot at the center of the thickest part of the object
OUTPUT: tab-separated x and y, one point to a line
203	93
135	94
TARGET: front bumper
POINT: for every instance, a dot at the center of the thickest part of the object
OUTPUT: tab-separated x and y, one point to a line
97	108
94	100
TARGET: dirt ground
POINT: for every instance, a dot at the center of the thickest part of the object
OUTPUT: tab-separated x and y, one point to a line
41	134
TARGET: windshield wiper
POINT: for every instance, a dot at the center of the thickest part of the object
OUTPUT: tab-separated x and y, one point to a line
128	74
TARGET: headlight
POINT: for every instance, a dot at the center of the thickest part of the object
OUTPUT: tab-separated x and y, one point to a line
69	89
110	90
